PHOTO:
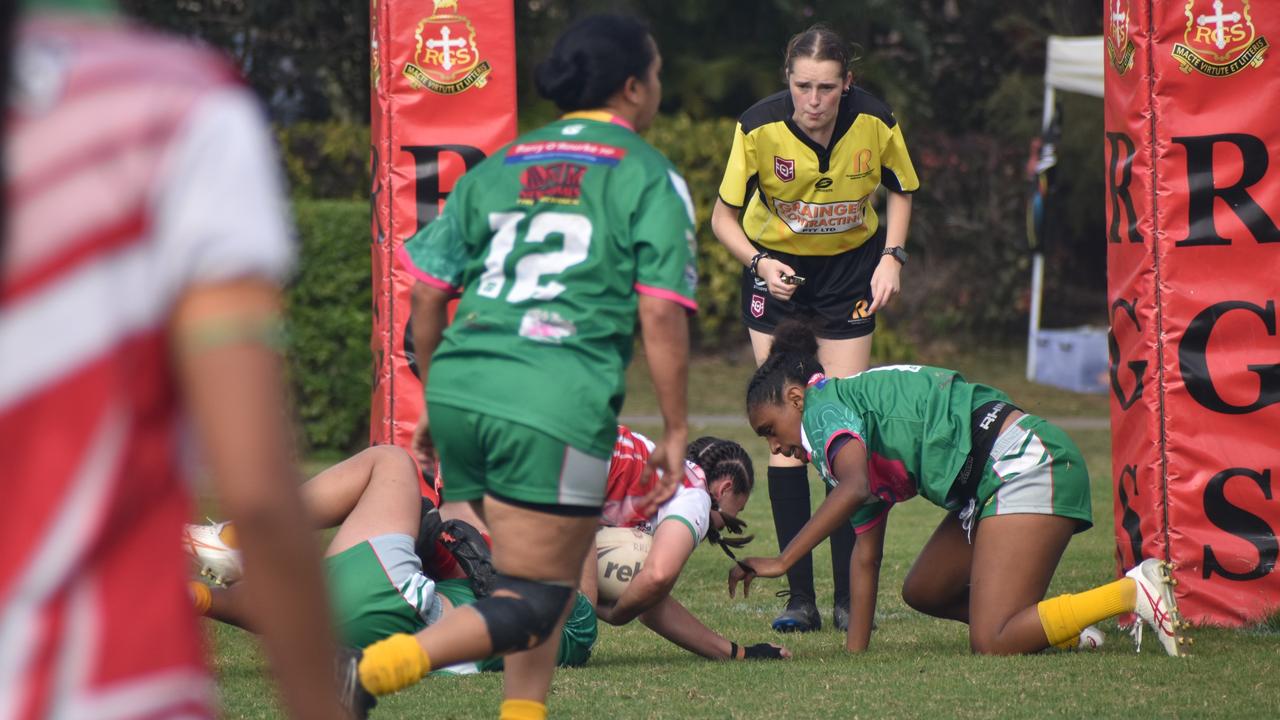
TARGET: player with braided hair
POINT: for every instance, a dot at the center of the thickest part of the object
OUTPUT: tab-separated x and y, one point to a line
717	482
1015	487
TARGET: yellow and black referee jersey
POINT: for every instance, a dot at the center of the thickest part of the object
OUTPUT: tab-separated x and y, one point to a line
805	199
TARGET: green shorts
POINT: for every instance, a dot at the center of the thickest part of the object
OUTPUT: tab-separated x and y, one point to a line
576	640
377	589
481	454
1036	468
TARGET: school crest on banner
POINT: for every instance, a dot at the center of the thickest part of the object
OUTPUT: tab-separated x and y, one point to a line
446	59
1220	38
1119	43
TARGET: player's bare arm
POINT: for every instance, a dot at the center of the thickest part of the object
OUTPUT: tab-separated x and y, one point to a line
664	326
864	581
231	375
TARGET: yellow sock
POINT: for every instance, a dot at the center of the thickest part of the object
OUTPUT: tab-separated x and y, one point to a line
201	596
522	710
228	536
1063	617
393	664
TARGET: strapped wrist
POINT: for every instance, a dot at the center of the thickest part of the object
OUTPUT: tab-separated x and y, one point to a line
733	650
755	261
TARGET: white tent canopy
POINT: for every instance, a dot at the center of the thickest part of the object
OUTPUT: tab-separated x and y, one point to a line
1074	64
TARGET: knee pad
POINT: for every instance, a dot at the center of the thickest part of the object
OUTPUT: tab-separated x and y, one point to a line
525	621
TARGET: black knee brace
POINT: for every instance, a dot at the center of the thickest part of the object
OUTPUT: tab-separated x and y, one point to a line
524	621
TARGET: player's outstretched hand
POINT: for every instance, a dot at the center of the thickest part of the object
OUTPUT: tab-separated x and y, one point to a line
667	458
746	570
765	651
423	447
773	271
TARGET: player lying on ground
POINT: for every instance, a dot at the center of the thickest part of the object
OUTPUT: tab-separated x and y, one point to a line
716	485
376	576
1015	485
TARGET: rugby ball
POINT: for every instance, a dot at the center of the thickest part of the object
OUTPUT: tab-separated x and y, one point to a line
620	553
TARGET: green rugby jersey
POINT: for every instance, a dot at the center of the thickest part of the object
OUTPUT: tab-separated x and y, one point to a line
914	421
549	241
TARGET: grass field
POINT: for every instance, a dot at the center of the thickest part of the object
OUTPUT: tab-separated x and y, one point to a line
916	667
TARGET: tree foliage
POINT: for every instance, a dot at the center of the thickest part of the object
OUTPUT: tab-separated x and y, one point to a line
965	78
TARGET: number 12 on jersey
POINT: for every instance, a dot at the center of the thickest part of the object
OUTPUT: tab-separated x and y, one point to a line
528	272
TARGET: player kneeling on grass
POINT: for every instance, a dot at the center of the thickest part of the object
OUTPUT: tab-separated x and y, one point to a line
375	560
716	485
1015	485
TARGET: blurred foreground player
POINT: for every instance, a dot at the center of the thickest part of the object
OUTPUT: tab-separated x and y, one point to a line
145	238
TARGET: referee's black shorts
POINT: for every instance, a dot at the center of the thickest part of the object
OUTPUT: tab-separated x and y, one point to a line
833	300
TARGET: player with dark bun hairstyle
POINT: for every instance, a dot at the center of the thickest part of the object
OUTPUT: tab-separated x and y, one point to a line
557	245
715	486
1015	487
796	208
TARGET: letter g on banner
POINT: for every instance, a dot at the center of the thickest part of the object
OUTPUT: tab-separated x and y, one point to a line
1137	367
1193	362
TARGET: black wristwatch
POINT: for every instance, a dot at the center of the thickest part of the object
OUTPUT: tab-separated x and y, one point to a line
898	254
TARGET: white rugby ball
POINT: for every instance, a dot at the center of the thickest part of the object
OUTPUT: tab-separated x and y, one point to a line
620	553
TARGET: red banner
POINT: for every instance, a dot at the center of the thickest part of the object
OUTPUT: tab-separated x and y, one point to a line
444	97
1193	255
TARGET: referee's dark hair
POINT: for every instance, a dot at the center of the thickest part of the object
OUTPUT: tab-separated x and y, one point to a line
819	42
592	60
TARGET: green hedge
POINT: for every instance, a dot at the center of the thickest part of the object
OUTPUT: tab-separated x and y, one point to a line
329	306
329	300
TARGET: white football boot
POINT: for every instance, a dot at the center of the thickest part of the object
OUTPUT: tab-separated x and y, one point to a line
1155	606
218	562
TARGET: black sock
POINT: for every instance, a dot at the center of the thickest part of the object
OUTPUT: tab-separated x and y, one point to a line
841	550
789	498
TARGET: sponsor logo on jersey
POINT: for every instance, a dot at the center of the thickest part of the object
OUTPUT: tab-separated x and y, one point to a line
861	164
1120	47
555	183
1221	39
820	218
446	59
784	168
757	305
824	183
566	150
546	326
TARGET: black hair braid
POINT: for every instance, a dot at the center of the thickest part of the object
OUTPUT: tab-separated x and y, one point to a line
720	458
723	458
792	359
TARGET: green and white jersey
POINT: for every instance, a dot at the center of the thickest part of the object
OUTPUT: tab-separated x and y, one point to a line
914	421
549	241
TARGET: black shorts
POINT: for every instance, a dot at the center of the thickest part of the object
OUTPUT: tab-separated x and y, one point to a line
834	298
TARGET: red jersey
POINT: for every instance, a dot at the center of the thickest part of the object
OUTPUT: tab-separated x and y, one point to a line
138	167
629	481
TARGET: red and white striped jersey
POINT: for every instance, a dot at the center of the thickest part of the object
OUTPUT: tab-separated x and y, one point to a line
139	167
629	481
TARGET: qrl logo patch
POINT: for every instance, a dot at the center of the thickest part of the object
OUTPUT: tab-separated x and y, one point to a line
784	168
757	306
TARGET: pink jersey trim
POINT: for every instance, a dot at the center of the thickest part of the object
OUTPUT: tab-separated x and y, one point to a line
873	522
674	297
422	276
826	450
